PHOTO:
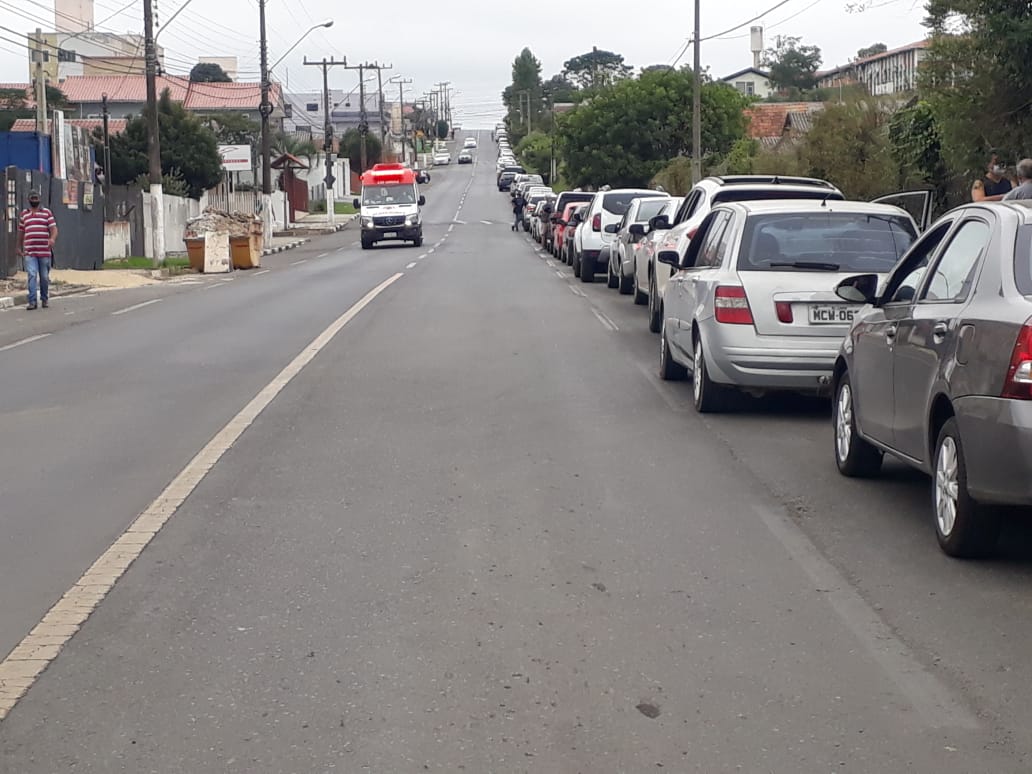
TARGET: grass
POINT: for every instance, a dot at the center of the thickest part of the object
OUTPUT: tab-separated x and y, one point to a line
138	262
344	208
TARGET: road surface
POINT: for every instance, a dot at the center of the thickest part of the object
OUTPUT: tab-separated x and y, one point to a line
470	531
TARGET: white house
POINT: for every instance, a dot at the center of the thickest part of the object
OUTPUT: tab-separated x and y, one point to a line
751	81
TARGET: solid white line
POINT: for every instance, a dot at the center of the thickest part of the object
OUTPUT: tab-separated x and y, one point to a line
323	255
298	263
29	340
20	669
137	306
263	271
605	320
411	265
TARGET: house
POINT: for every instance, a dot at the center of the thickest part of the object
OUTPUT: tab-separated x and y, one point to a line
751	81
891	72
774	123
127	96
308	114
115	125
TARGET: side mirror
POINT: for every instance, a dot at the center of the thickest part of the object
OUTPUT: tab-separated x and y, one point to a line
422	200
861	289
669	257
357	204
659	223
637	229
612	228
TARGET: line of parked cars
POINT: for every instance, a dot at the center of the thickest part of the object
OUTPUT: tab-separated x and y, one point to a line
919	332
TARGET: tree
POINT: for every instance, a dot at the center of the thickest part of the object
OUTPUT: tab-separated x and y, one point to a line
849	145
234	128
558	89
208	72
442	129
297	145
872	50
535	151
917	148
628	132
351	146
13	105
654	67
189	149
792	67
523	95
596	69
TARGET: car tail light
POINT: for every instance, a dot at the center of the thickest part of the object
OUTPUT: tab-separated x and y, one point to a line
691	234
732	306
784	309
596	222
1019	373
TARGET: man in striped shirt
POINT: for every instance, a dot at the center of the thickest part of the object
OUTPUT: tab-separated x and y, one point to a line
37	232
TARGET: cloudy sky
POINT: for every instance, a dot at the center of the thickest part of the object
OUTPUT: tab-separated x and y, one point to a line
468	46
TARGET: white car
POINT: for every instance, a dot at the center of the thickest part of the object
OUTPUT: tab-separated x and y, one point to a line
607	208
442	158
650	276
471	142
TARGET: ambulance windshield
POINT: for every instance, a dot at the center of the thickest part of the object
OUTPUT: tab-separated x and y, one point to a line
399	193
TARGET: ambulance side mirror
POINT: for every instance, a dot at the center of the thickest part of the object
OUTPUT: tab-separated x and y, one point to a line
357	204
422	200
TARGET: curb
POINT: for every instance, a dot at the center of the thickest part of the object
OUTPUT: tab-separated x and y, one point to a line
9	302
284	248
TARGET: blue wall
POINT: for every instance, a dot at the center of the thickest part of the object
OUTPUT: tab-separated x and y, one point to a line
25	150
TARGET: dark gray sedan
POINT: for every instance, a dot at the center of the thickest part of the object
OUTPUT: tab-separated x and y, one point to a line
937	370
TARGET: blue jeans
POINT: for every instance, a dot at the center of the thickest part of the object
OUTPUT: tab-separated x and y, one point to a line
38	269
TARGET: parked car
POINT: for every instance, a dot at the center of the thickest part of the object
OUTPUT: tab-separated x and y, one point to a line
465	157
506	175
606	210
553	238
534	198
627	234
936	370
542	218
574	221
650	275
753	305
441	158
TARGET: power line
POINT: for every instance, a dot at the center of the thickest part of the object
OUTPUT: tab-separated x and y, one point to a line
688	44
777	23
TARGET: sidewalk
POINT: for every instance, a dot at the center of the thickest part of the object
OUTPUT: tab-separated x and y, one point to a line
64	282
317	223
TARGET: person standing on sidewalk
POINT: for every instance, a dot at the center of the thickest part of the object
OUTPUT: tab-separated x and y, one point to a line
37	233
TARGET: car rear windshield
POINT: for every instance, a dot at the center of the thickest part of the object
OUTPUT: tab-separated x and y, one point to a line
648	210
832	241
617	203
763	194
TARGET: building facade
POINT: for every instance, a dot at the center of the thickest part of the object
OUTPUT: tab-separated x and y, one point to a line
67	54
751	81
888	73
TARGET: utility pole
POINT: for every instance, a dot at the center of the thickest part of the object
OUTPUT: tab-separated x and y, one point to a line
107	157
697	105
40	83
401	118
329	180
363	119
379	102
442	102
153	137
265	111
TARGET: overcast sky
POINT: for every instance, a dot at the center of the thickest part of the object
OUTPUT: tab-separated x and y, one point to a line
466	44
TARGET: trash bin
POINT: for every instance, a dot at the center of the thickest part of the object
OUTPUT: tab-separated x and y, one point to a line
195	253
246	251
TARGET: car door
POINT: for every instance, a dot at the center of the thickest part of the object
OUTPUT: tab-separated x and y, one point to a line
927	336
917	203
690	279
874	338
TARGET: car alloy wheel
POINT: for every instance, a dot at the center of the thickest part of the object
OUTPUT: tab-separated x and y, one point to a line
947	486
963	526
844	422
854	456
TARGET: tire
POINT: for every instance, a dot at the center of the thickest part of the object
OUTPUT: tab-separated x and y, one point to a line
854	456
366	243
576	265
669	370
708	396
655	306
626	284
612	280
964	528
418	241
640	299
587	269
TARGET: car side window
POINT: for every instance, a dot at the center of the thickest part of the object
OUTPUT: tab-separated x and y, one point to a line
686	208
903	285
709	253
953	275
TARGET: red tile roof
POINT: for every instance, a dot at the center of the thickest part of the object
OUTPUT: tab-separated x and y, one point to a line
768	119
194	96
115	125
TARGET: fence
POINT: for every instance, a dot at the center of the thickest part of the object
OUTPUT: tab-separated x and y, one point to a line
224	200
78	209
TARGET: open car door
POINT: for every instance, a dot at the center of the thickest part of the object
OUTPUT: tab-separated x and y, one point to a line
917	203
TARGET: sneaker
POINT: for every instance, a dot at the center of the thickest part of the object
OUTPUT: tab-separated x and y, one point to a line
30	307
46	304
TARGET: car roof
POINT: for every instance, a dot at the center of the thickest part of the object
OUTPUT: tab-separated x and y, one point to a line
791	206
769	180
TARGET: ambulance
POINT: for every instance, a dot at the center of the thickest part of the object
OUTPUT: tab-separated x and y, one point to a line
389	207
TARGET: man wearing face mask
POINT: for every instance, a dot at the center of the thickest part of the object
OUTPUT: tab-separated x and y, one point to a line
37	233
994	186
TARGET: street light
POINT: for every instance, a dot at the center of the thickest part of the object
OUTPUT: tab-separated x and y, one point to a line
328	23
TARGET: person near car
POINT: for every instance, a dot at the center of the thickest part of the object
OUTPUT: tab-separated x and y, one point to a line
1024	189
37	233
994	186
517	211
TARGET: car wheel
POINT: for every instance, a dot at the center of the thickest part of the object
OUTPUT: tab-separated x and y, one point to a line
366	243
612	280
964	528
708	396
626	284
587	269
655	307
576	265
854	456
669	369
418	241
640	299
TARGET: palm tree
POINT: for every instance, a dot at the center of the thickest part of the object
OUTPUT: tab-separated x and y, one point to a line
297	145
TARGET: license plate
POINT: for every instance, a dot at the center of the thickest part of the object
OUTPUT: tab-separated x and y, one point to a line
390	234
831	314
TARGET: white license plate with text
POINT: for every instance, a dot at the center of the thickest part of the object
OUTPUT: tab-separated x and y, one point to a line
832	314
390	234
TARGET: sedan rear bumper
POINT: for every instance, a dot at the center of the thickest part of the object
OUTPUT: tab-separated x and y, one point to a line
737	355
997	438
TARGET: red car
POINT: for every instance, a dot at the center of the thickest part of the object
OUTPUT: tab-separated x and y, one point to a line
559	227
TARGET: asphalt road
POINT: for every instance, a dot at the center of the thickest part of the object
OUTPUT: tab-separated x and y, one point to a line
475	533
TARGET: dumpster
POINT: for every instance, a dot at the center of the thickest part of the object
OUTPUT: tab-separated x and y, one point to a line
195	252
244	233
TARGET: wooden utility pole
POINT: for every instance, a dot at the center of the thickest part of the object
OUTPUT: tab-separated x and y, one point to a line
363	117
40	84
401	118
329	179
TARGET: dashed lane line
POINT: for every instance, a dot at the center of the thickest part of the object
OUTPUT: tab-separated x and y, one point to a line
134	307
263	271
38	649
609	324
298	263
411	265
28	340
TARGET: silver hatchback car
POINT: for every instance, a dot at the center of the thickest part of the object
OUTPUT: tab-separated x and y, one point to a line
937	370
753	306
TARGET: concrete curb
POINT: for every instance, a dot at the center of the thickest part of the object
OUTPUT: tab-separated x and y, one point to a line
22	298
284	248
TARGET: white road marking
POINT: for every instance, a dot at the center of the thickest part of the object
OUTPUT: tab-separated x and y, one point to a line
29	340
421	257
559	274
136	306
452	226
411	265
431	251
214	285
605	320
263	271
323	255
298	263
550	262
23	665
486	222
576	292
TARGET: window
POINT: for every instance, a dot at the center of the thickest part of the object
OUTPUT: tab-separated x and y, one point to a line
709	252
687	207
955	272
903	285
746	87
64	55
312	107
